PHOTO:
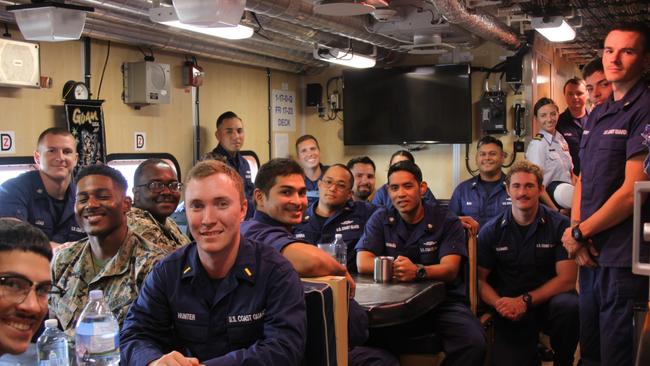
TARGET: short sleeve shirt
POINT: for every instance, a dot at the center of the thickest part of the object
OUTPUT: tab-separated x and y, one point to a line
551	153
471	198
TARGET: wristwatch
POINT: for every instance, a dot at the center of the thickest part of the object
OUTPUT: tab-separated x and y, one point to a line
528	300
577	234
421	272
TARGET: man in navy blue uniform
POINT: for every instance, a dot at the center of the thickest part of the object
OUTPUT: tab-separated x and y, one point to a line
427	242
572	121
612	155
222	300
336	213
230	133
281	200
598	87
479	199
526	276
363	170
45	198
308	152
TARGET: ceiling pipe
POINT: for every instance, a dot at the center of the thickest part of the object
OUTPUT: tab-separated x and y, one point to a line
482	24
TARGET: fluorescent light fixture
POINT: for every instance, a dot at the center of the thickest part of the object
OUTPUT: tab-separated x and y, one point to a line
50	21
167	16
345	58
555	29
338	8
209	13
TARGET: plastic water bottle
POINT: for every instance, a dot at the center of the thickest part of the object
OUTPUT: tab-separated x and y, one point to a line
52	346
341	249
97	334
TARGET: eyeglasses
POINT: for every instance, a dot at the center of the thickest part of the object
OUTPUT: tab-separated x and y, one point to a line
157	187
15	288
340	186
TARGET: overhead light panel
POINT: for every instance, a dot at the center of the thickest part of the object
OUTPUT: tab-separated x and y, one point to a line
344	57
168	16
50	21
209	13
343	7
555	29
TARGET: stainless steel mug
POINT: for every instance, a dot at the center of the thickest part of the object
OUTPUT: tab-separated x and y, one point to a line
383	269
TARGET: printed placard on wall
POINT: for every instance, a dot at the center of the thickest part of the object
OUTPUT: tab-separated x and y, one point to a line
7	142
140	139
86	123
283	110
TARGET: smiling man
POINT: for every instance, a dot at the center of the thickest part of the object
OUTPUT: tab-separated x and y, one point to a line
222	300
428	243
525	275
308	152
598	87
479	199
111	258
572	121
156	194
25	283
612	153
363	170
45	198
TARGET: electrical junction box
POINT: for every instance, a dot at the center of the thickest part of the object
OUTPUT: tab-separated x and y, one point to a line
192	74
19	64
493	112
146	82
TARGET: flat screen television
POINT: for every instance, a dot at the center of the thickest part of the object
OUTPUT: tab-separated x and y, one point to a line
414	104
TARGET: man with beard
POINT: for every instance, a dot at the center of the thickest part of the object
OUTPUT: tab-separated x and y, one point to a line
45	197
156	194
363	170
230	133
428	243
112	258
335	213
281	199
222	300
309	159
572	121
479	199
25	283
525	275
598	87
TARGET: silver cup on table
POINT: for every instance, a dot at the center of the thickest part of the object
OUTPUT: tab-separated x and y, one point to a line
383	269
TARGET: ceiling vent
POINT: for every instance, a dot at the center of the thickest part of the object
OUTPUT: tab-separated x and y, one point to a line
340	8
430	44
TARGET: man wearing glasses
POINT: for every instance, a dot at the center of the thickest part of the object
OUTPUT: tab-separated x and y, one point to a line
336	213
24	265
155	197
112	258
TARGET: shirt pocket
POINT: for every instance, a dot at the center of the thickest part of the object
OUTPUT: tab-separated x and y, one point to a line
611	159
191	332
243	335
545	255
505	254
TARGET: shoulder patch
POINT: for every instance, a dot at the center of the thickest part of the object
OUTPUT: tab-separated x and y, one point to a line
539	136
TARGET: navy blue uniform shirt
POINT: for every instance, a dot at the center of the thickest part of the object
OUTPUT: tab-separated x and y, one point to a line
612	136
471	198
25	198
382	199
256	316
571	129
312	186
349	222
243	168
438	234
520	264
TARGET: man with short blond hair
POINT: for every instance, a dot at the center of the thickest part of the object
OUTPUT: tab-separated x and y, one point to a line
572	121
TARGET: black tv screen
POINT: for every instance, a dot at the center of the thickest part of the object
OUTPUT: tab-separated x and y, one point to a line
415	104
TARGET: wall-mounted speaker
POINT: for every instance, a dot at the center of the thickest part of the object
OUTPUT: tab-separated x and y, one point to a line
19	64
146	82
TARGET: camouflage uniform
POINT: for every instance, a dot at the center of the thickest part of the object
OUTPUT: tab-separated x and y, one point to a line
168	237
120	279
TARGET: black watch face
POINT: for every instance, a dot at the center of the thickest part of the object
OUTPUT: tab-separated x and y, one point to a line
421	273
577	235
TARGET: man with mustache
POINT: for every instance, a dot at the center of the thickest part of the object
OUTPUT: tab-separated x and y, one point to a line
25	283
112	258
363	170
598	87
335	213
428	243
45	197
230	134
571	122
479	199
600	238
156	194
526	276
280	201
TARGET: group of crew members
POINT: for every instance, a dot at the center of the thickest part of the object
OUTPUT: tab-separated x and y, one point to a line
233	295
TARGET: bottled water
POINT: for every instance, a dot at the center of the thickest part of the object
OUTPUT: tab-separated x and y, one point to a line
97	334
341	249
52	346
